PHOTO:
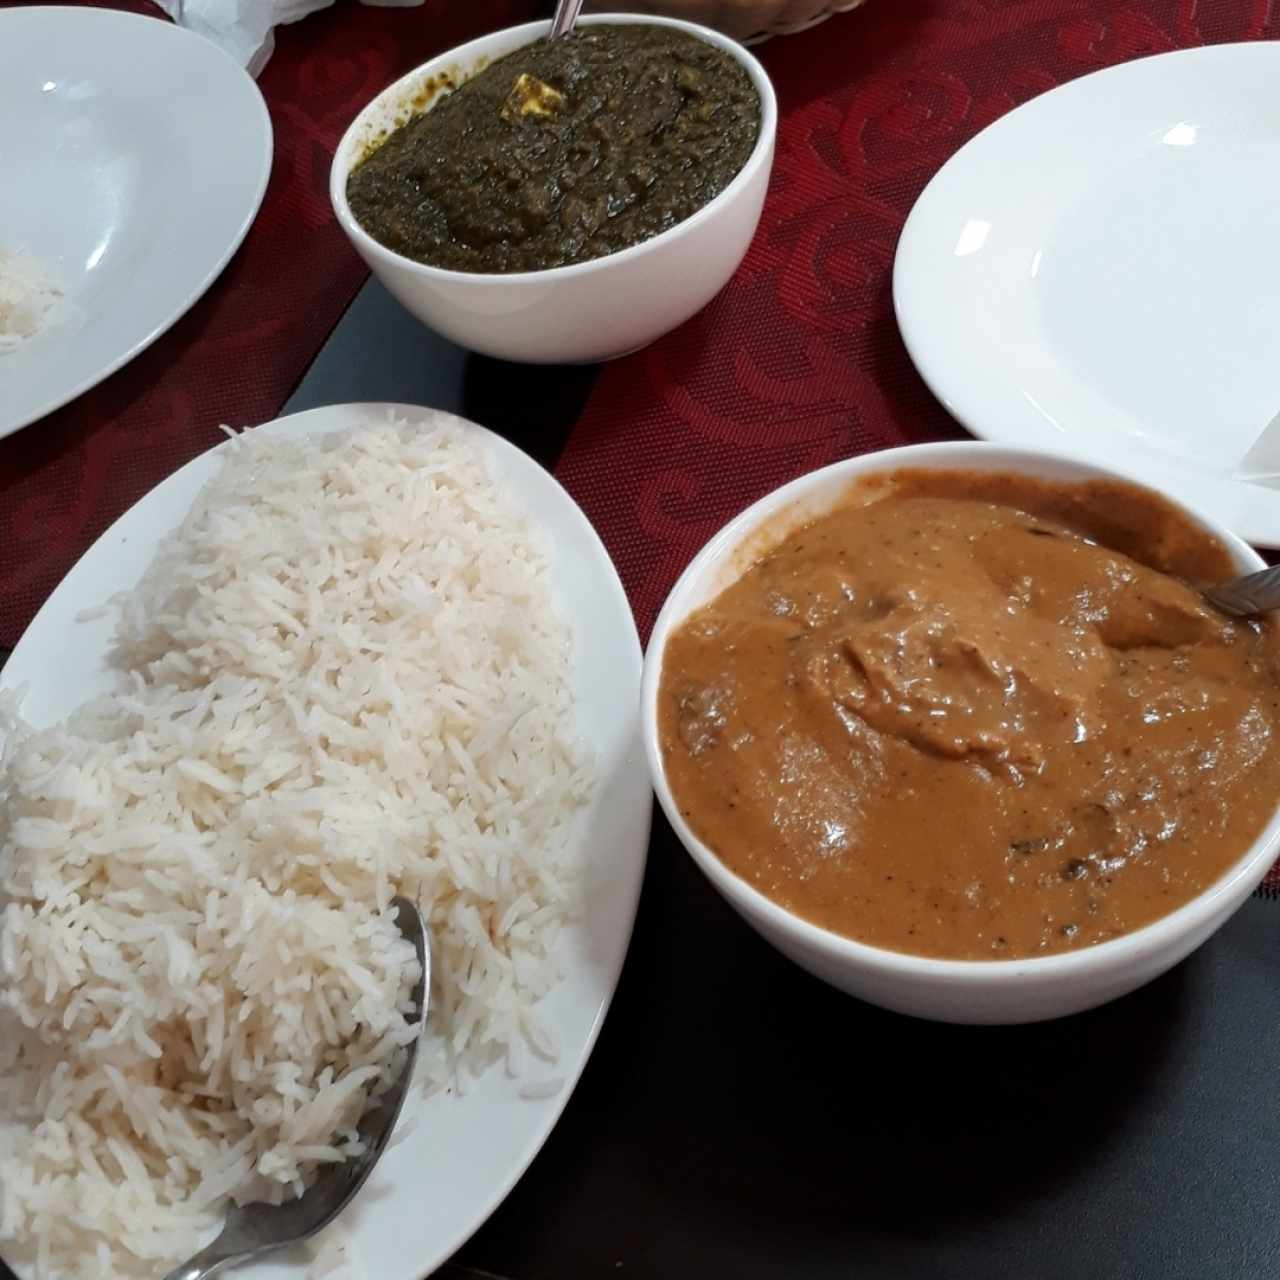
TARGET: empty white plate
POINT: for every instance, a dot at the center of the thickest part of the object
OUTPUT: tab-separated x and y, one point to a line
1098	272
135	157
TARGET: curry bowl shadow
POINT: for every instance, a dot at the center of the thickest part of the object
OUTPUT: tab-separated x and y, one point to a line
995	991
586	311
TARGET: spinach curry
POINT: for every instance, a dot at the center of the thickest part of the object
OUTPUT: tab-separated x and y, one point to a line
561	152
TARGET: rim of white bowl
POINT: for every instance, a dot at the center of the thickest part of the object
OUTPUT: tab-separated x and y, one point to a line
340	167
978	455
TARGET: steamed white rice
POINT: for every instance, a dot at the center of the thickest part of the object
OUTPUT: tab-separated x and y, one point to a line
342	677
28	298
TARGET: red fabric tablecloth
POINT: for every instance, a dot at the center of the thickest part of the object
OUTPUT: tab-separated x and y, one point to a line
239	352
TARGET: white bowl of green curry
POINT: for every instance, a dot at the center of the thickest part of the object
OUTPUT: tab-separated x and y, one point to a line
570	202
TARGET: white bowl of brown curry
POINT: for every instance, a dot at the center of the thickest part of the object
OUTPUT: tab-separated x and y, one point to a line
952	727
564	201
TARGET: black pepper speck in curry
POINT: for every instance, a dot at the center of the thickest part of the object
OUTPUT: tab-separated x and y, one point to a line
561	152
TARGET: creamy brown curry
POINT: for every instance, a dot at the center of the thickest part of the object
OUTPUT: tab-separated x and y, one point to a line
976	716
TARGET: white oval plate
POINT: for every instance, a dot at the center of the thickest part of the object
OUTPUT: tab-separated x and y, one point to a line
135	155
1097	273
463	1154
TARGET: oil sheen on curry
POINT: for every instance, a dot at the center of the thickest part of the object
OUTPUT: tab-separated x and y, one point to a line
976	717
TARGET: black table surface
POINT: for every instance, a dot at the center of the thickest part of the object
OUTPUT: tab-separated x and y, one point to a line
740	1119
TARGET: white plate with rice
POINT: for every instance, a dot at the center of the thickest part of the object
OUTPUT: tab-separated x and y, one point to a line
539	604
136	156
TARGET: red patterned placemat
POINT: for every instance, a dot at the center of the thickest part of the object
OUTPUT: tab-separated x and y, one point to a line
238	353
799	362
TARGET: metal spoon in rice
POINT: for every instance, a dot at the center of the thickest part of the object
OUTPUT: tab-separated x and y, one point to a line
254	1229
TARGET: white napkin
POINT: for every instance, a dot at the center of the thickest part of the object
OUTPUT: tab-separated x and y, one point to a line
245	28
1262	463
